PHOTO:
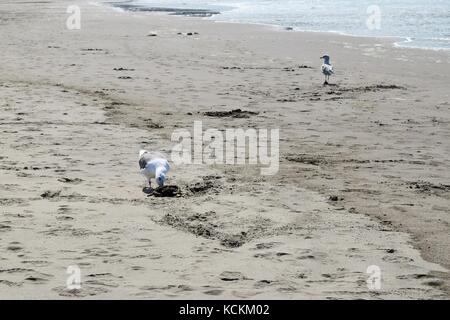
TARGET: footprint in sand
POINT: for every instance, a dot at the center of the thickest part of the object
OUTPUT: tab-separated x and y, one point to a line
232	276
14	246
214	292
267	245
85	291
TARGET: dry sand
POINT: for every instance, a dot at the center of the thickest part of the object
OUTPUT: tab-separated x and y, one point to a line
73	120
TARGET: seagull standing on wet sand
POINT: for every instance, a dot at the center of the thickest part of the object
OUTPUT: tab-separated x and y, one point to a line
327	68
153	165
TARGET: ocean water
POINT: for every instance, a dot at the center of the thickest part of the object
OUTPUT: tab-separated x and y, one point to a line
419	23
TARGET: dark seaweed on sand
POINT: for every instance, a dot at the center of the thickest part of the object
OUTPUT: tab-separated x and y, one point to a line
164	191
235	113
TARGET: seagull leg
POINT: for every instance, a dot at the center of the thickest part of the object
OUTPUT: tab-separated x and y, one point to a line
148	189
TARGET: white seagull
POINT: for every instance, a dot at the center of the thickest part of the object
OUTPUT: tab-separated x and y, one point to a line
153	165
327	68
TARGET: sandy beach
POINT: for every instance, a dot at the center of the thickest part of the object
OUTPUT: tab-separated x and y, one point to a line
364	169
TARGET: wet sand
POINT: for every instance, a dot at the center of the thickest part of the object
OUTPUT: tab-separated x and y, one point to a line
363	179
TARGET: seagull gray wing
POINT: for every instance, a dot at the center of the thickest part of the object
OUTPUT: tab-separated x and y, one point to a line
327	69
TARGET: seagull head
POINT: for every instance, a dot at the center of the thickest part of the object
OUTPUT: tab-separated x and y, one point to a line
141	152
160	179
326	59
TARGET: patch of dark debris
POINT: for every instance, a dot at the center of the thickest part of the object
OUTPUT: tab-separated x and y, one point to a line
428	187
11	201
318	160
164	191
307	159
91	49
4	227
338	93
146	123
149	123
50	194
70	180
434	283
335	198
203	187
266	245
372	88
122	69
289	69
113	109
232	276
235	113
57	195
295	68
209	184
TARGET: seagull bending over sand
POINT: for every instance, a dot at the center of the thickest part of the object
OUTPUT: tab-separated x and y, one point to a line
153	165
327	68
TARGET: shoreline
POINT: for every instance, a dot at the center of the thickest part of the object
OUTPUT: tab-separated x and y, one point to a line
373	142
209	16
